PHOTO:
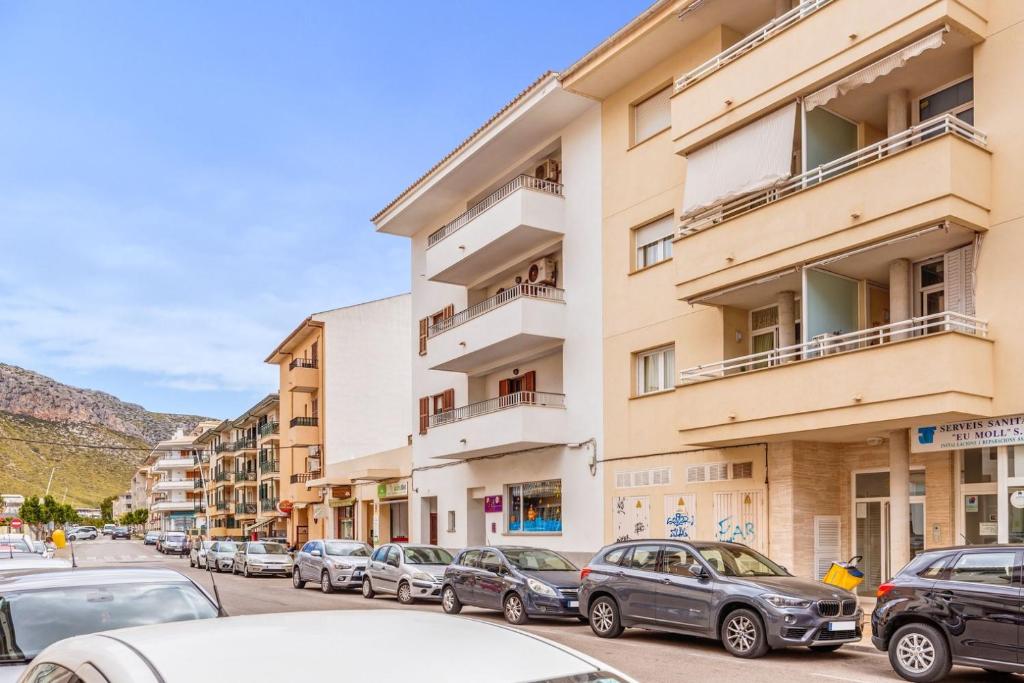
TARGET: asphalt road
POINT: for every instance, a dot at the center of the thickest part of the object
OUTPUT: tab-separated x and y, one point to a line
647	656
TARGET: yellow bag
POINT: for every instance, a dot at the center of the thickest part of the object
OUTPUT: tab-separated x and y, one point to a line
58	538
845	575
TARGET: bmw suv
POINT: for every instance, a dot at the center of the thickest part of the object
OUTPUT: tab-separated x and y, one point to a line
724	591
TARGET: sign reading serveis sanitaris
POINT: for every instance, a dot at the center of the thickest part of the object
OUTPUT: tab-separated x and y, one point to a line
977	433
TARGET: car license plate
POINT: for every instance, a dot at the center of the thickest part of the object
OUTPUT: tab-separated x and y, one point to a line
574	603
842	626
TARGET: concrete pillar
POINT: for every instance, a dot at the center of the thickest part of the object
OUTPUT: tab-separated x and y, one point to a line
897	114
786	302
900	298
899	500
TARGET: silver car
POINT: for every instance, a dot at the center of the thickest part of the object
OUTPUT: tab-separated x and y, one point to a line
333	563
197	554
221	555
410	572
262	557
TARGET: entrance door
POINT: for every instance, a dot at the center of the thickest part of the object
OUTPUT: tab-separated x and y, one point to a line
872	543
433	529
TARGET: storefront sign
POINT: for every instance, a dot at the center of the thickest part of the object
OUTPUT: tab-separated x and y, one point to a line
986	431
285	507
396	489
492	503
970	504
988	529
341	491
1017	499
341	502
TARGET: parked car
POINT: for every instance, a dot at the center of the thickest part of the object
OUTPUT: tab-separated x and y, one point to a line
20	562
173	543
150	537
332	564
724	591
521	582
198	553
108	529
83	533
262	557
42	608
120	532
152	654
409	572
15	543
221	555
952	606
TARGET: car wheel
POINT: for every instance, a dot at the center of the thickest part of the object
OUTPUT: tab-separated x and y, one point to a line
743	634
368	589
325	583
405	593
297	581
450	602
824	648
918	652
515	610
604	618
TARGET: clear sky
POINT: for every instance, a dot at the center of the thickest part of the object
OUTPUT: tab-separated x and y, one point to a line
181	183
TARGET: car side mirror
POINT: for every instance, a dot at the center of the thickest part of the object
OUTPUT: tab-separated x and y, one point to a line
315	553
698	570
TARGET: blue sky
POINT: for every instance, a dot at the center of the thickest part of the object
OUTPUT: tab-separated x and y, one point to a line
182	183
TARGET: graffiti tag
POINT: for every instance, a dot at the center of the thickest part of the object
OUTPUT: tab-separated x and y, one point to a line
731	532
679	525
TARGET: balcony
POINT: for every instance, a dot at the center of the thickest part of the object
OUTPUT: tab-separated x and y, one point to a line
224	447
222	506
188	505
520	322
303	477
862	197
513	222
245	477
758	73
269	506
221	476
269	467
303	375
176	462
304	430
165	485
518	421
245	509
269	429
930	368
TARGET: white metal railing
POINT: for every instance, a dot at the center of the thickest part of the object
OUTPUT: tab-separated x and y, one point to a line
749	42
493	405
519	182
830	344
512	293
947	123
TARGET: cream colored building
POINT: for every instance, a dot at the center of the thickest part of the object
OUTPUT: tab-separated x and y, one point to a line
809	217
178	495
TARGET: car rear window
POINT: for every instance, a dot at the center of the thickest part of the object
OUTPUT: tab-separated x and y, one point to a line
615	555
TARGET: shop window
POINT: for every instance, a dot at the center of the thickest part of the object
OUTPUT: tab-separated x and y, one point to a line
979	466
1015	461
535	507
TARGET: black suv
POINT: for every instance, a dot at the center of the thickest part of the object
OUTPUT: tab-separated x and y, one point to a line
724	591
952	606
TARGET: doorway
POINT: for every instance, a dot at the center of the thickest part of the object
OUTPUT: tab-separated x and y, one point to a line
872	519
476	523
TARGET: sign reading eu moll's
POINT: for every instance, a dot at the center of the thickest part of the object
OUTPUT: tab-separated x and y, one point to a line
977	433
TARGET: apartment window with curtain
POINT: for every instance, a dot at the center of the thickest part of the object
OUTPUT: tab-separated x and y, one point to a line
655	370
653	242
652	115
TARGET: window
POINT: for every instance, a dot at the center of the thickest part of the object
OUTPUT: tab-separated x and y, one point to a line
934	569
661	476
379	553
712	471
615	556
394	556
451	521
535	507
471	558
645	558
655	370
676	561
955	99
742	470
652	115
991	568
489	562
653	242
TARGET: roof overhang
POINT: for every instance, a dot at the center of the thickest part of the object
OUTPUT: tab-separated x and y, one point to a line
284	349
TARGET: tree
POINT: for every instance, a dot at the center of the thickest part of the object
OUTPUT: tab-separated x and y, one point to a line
141	516
32	513
107	509
50	506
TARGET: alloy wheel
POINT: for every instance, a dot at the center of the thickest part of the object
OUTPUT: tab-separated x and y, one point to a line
449	599
916	653
741	633
404	594
514	609
603	617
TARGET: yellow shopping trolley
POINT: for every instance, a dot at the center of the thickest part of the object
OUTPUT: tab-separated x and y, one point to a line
845	575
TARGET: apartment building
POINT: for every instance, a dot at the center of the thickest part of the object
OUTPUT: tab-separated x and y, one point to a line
141	488
178	495
122	504
506	350
344	394
809	221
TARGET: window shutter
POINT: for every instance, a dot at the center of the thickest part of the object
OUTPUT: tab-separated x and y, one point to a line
448	312
448	399
826	543
424	414
652	232
503	387
530	381
953	263
968	279
424	328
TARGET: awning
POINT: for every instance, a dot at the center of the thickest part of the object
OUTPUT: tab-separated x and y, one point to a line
752	158
874	71
377	475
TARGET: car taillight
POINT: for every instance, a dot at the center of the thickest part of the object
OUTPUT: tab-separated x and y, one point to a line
584	573
883	590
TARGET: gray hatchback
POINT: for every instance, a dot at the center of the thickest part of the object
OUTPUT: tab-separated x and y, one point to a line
724	591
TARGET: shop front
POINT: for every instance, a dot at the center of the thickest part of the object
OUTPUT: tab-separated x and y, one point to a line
391	522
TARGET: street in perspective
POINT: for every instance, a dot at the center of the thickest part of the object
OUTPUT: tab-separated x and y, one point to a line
341	341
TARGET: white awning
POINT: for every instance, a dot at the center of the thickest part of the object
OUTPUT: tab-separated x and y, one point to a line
752	158
873	71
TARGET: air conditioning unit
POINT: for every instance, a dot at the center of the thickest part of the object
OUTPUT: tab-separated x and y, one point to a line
548	170
542	272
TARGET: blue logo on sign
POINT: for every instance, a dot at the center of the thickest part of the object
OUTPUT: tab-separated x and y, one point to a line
926	435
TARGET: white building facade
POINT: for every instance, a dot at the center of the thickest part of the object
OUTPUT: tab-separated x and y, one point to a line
506	346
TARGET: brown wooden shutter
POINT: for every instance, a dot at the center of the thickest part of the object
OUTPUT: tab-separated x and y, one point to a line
424	328
503	388
424	414
448	312
530	381
448	399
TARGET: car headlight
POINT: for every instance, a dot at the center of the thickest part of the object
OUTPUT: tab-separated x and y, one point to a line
338	564
422	576
541	588
785	601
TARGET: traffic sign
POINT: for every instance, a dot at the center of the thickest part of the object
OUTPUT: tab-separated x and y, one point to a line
16	523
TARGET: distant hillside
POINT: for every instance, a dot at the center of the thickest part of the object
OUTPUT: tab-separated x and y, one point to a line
87	474
23	392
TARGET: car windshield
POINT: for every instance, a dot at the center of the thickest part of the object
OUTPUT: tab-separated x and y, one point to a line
539	560
152	534
427	555
32	620
14	545
174	537
347	549
121	528
207	545
739	561
226	547
267	549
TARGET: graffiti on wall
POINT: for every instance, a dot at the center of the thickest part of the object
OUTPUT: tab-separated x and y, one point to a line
737	518
681	515
632	517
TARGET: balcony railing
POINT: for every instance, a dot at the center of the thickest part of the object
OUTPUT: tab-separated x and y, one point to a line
270	466
512	293
199	505
269	504
198	483
245	475
303	477
221	476
748	43
900	142
302	363
245	508
268	428
222	506
221	447
827	345
244	444
304	422
517	183
492	405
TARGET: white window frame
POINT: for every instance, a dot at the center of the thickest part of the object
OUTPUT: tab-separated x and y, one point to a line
798	317
664	376
662	245
633	138
915	111
920	292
